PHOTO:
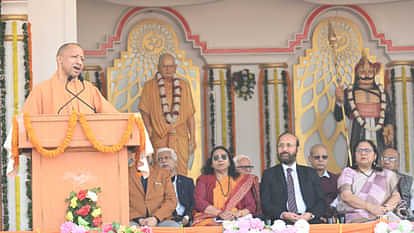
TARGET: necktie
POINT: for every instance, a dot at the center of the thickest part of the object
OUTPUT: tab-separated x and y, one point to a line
291	192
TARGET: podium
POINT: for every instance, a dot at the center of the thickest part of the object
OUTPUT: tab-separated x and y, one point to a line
81	166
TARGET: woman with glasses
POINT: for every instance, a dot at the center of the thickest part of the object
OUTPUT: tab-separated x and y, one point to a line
221	193
367	191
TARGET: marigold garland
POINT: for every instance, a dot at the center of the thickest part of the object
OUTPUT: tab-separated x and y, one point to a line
89	135
99	146
61	148
141	129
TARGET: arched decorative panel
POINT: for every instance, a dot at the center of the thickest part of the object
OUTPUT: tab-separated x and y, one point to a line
327	64
147	40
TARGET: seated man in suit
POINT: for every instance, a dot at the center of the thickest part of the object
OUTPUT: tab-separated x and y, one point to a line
184	186
289	191
151	195
391	160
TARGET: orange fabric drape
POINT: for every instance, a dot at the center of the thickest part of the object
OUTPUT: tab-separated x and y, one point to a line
316	228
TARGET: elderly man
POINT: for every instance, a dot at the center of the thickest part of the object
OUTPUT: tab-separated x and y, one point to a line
168	111
391	161
289	191
183	186
318	158
243	164
151	195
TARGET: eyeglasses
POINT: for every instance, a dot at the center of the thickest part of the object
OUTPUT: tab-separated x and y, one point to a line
366	150
281	145
246	167
391	159
217	157
164	158
318	157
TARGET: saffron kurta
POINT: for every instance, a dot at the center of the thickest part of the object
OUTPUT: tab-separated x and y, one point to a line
50	95
176	135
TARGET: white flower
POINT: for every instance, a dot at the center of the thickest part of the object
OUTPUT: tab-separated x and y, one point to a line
254	231
381	227
278	225
395	231
302	226
229	225
92	196
406	225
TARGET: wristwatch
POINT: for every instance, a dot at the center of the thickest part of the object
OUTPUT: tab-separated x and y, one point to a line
312	216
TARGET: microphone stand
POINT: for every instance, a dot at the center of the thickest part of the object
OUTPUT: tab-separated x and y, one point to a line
75	96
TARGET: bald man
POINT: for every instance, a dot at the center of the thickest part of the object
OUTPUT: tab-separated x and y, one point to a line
319	158
168	110
51	96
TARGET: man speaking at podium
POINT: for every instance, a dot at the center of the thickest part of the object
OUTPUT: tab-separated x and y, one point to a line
66	90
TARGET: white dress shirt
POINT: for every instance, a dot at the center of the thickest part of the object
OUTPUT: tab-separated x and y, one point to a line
300	203
180	208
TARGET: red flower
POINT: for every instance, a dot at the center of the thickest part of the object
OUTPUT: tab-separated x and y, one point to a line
146	229
97	221
84	210
107	228
82	194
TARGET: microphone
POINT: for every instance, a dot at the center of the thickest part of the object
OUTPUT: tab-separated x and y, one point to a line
75	96
67	89
83	88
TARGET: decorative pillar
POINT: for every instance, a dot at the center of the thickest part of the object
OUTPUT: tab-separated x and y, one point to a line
16	191
218	108
274	90
401	75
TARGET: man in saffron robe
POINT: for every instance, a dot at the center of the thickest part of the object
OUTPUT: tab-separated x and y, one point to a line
368	106
50	96
168	111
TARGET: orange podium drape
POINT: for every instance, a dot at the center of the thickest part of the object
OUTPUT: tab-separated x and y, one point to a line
80	166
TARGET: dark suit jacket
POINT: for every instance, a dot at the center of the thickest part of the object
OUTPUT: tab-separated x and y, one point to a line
273	192
185	191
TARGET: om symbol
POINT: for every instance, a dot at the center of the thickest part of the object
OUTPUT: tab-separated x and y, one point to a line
153	43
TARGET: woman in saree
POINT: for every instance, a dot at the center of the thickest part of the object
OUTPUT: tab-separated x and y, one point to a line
223	193
367	191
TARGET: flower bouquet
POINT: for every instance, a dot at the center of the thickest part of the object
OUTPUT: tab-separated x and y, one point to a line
404	226
117	228
255	225
83	209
